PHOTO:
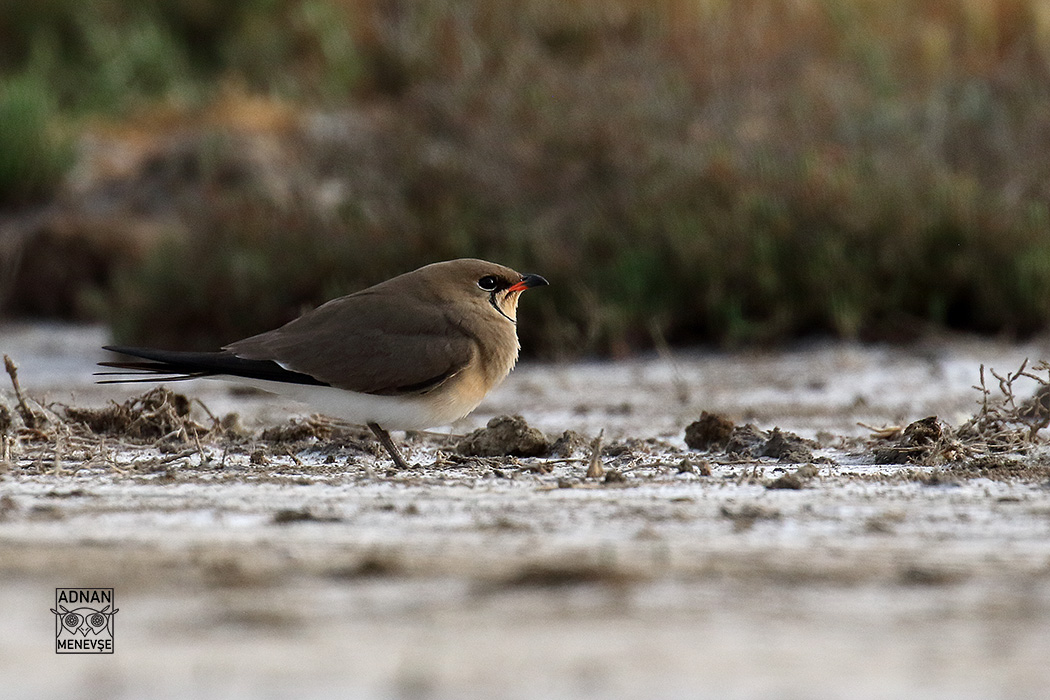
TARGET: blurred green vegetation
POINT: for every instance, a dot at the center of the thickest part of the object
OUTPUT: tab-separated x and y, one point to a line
33	152
691	170
112	56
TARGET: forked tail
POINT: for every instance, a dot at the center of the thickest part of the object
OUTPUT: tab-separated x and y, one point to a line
174	365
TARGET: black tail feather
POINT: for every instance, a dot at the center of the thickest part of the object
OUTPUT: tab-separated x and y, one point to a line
173	365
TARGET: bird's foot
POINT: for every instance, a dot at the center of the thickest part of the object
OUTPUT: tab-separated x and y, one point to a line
388	444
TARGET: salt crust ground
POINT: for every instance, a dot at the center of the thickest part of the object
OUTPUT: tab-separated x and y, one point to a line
314	578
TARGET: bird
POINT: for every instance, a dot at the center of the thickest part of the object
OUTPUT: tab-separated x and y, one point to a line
417	351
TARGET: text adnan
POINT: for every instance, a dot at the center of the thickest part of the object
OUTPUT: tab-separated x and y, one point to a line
85	595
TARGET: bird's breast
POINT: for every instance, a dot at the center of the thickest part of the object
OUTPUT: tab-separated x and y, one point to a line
489	365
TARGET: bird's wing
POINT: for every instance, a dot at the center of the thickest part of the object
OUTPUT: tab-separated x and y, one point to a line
371	342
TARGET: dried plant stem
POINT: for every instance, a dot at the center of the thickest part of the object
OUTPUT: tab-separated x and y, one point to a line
594	467
682	389
58	455
31	420
1005	422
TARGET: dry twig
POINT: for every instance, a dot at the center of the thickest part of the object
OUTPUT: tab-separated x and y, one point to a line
1002	422
886	432
594	467
31	420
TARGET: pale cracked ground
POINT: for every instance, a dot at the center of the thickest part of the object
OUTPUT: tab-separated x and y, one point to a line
488	580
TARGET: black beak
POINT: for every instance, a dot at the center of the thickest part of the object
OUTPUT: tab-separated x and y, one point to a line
528	282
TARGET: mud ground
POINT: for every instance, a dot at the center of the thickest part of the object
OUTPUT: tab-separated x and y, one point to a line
281	556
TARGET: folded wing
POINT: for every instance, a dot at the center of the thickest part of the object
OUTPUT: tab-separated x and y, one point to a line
370	343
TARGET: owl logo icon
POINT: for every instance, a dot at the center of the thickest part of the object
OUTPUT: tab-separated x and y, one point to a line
84	620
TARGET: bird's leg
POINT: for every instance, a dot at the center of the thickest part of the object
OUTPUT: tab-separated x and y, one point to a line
388	444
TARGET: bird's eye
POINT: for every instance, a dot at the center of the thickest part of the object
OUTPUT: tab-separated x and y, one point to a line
488	283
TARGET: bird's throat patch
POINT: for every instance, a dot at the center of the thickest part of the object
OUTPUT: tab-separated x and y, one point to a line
495	305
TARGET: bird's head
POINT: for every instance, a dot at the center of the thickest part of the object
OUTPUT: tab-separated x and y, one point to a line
485	287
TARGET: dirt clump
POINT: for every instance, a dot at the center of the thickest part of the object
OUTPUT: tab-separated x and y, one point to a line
296	431
564	576
745	517
927	431
1001	467
710	431
505	436
231	426
794	480
745	441
7	507
790	481
569	444
701	468
290	515
938	477
619	448
787	447
370	567
156	414
916	575
994	462
715	432
925	441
